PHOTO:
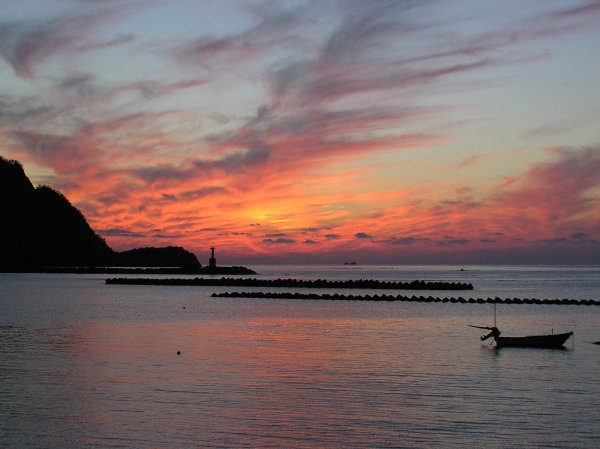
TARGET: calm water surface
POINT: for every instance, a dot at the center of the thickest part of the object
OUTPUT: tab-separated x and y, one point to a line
88	365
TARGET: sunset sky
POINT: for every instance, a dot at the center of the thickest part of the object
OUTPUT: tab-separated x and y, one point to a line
314	131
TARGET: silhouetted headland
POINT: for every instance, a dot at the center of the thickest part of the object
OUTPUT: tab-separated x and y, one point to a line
171	256
40	228
41	231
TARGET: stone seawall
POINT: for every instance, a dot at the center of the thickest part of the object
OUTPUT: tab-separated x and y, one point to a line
384	297
297	283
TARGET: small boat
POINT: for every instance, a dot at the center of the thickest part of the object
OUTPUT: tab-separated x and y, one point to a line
530	341
534	341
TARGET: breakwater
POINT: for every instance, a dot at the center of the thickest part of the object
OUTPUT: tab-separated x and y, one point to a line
297	283
384	297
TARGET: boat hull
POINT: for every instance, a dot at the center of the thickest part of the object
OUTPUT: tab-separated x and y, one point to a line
534	341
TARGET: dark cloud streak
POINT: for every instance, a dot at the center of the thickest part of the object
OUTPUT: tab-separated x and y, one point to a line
26	44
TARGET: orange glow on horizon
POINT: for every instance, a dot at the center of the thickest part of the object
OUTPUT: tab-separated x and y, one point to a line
314	131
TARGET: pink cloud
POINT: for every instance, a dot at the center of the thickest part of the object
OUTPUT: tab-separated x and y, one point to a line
552	206
118	41
583	9
26	44
272	29
473	160
351	92
557	197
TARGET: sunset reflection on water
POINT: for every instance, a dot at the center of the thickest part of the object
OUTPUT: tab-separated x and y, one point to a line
285	373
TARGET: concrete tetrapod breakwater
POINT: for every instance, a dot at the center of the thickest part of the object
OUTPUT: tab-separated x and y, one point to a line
384	297
297	283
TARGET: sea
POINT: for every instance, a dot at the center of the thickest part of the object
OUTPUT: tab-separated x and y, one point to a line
84	364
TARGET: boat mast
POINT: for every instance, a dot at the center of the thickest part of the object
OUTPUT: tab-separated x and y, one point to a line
494	314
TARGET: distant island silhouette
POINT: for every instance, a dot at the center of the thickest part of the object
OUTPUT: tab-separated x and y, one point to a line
41	231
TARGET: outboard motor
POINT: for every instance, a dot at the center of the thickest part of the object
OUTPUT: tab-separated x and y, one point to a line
495	332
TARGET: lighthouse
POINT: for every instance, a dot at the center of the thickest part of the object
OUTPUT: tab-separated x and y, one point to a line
212	262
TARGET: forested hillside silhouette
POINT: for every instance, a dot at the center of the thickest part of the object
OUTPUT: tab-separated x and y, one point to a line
40	228
171	256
